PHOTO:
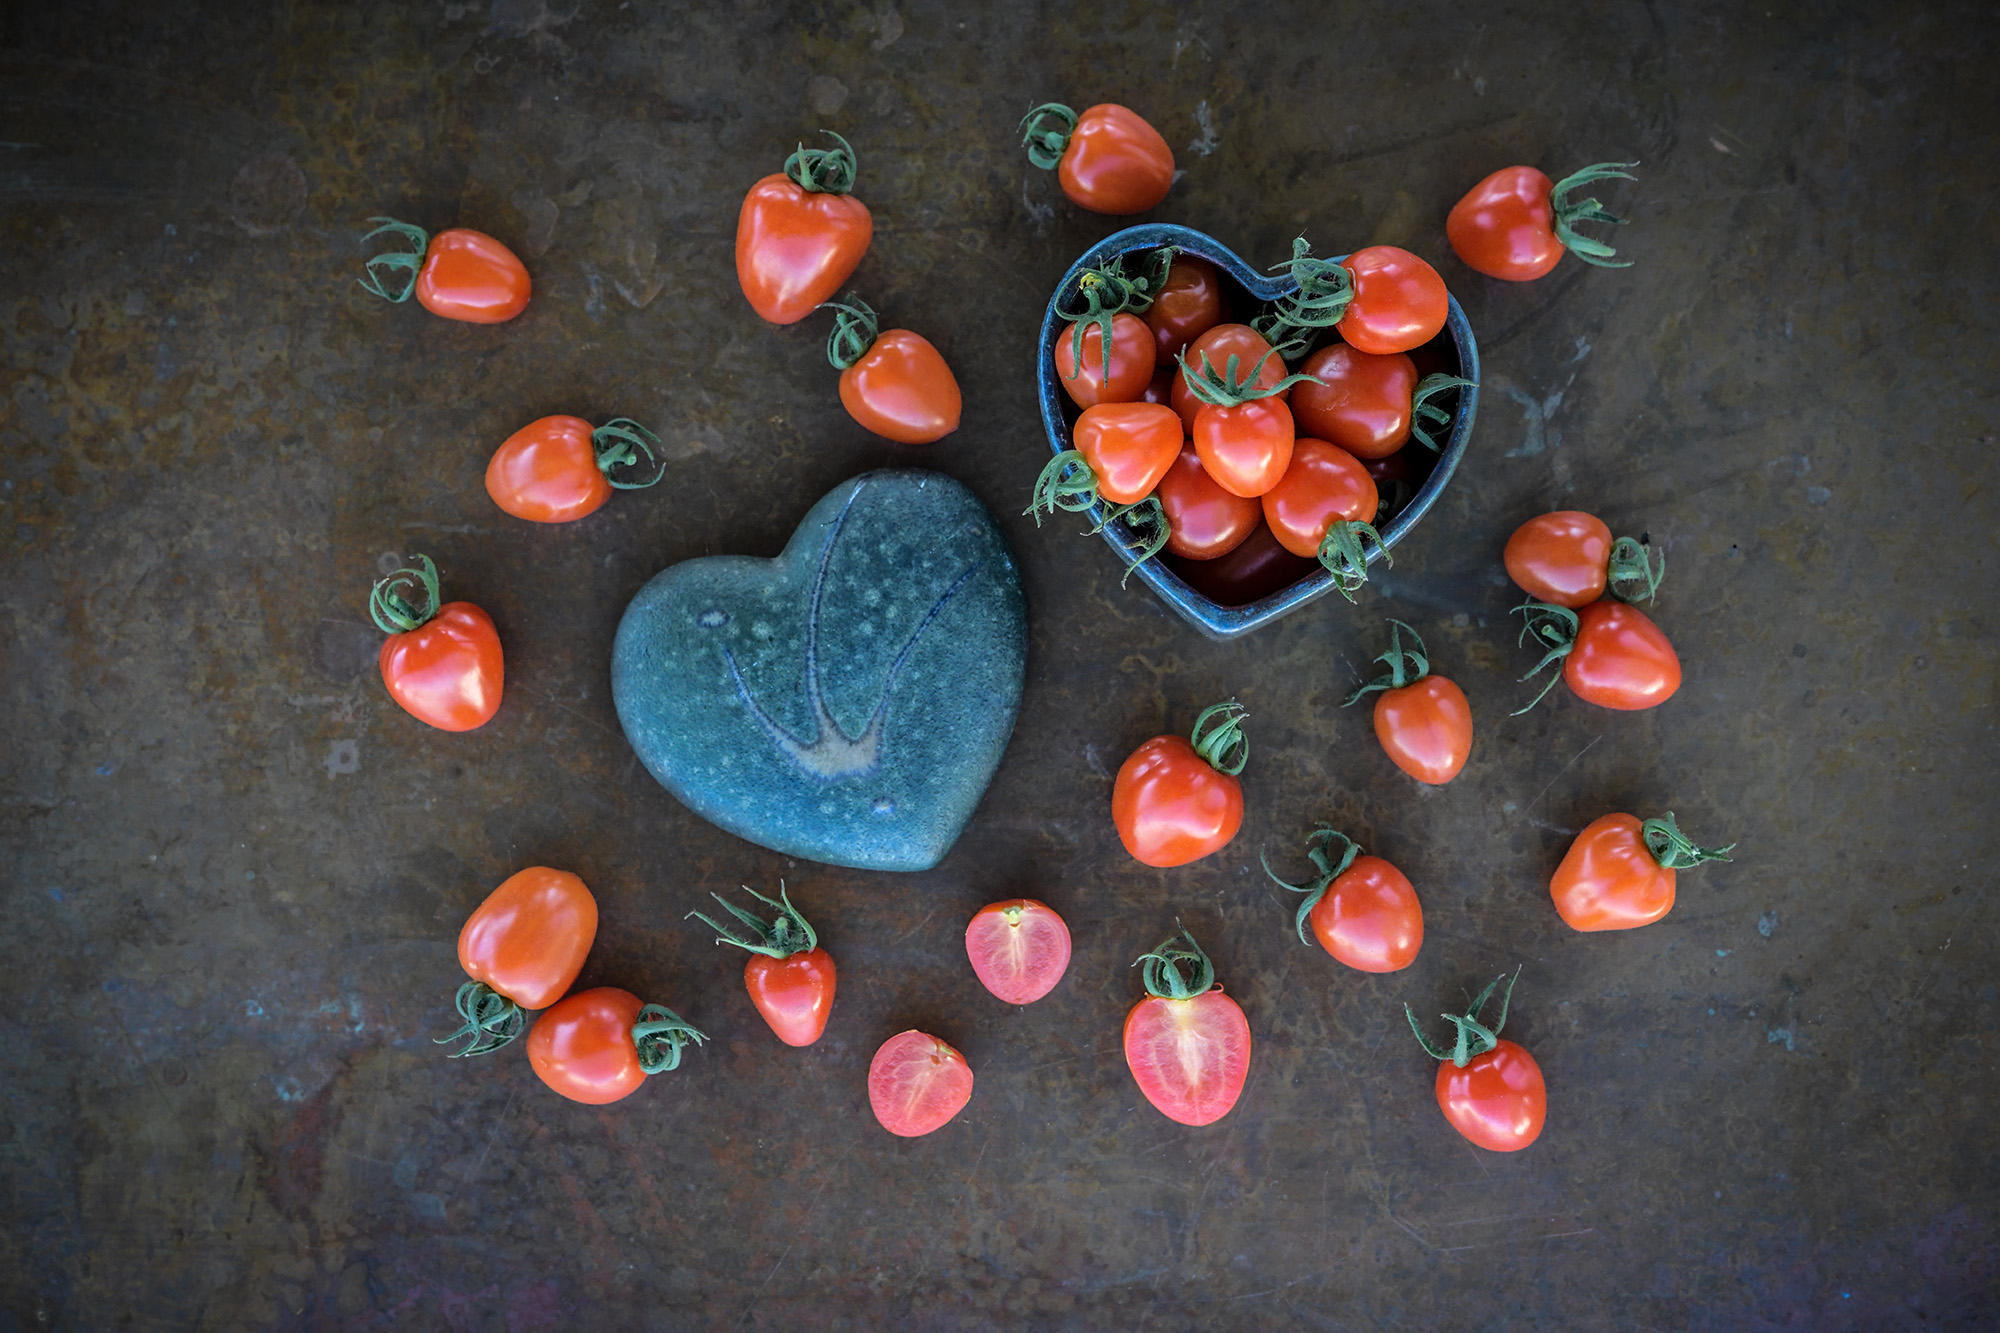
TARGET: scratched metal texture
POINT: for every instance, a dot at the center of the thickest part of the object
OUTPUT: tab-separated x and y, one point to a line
234	871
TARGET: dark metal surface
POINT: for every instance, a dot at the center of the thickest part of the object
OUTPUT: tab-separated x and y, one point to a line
233	871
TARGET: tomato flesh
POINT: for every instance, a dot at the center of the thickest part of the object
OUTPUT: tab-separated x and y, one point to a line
1361	403
1188	304
902	390
1129	447
1621	659
917	1083
1115	162
1609	879
795	994
1498	1100
1562	558
1217	346
1132	360
1190	1057
1322	485
1019	949
1245	448
1505	226
448	671
795	247
583	1047
1172	806
1204	521
1369	918
1425	728
546	472
1399	301
529	938
470	277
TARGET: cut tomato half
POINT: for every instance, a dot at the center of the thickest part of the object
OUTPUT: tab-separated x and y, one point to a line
1019	949
917	1083
1189	1057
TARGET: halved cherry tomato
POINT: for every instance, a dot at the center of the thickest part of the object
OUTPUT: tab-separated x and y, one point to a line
1323	507
1132	361
1019	949
1187	305
1109	160
917	1083
1613	655
558	469
1619	873
1187	1044
522	948
1177	800
1569	558
599	1045
459	273
1203	520
1363	910
1515	225
894	384
440	662
800	234
1217	345
1489	1089
789	977
1422	720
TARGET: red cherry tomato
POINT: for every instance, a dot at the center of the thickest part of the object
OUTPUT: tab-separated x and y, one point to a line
1422	720
1620	873
522	948
1568	558
1019	949
1246	448
1187	1044
1489	1089
917	1083
557	469
459	273
1188	304
599	1045
1131	362
1515	225
1177	800
1160	388
441	663
1322	507
1363	910
1361	402
800	234
1109	160
1204	521
894	384
789	977
1613	655
1217	345
1399	301
1129	447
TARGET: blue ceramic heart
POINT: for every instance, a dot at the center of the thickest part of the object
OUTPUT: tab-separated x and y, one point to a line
1460	356
847	702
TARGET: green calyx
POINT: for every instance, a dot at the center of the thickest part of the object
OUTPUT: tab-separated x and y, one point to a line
1631	563
1147	520
823	170
399	267
490	1020
1325	290
1045	133
1474	1037
1406	666
1230	388
1107	293
1588	249
1162	969
1425	415
1344	556
618	443
394	613
1319	850
1218	737
854	330
660	1036
1671	848
1555	627
1066	483
781	937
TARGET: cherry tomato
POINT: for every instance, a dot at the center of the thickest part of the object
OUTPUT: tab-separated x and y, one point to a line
1323	507
1360	402
1246	448
789	977
599	1045
1019	949
800	234
1620	873
1187	1044
1204	521
1613	655
557	469
459	273
1422	720
440	662
1160	389
1176	800
1515	224
1109	160
1250	573
917	1083
1489	1089
1363	910
894	384
1187	305
1217	345
1569	558
1129	447
522	948
1399	301
1132	360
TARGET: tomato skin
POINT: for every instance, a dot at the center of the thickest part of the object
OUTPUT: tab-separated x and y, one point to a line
1172	806
1206	520
1245	448
1160	388
583	1047
1399	301
529	938
1561	557
1219	344
1322	484
546	472
1019	949
470	277
1426	728
1498	1100
795	247
1132	361
1188	304
1610	880
917	1083
1115	163
795	994
1504	227
1621	659
1129	447
1190	1057
447	671
1369	918
1361	403
902	390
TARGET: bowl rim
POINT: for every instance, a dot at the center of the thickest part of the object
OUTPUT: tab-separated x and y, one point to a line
1210	617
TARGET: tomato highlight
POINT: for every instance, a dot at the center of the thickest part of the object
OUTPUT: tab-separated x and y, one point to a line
1187	1044
1619	873
789	977
1019	949
441	661
1490	1090
1362	909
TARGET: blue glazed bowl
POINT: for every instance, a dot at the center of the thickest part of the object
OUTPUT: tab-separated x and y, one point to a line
1297	581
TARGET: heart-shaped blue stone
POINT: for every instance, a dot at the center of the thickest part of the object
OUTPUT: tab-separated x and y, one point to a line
847	702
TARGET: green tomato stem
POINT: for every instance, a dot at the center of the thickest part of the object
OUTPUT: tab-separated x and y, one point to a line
394	613
1161	971
490	1020
1222	743
786	934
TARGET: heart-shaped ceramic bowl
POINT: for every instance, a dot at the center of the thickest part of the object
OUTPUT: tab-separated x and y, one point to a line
1260	581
